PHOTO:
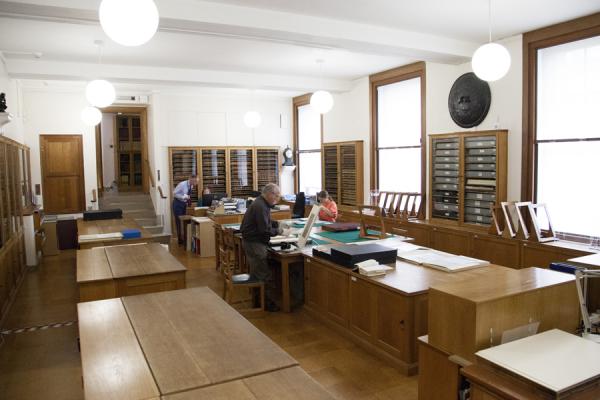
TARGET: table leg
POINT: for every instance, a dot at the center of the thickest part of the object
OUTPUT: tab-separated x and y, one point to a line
285	286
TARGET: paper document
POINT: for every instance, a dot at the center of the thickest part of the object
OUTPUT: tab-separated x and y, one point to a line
372	268
444	261
281	239
100	236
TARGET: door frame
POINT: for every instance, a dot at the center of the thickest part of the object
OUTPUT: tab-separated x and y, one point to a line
142	111
81	200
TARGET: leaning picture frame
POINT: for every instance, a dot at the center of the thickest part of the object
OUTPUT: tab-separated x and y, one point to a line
511	226
539	234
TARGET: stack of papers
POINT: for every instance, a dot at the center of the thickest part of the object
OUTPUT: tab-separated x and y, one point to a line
372	268
440	260
100	236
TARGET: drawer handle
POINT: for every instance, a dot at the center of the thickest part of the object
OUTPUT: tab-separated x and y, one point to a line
476	236
353	278
402	323
308	260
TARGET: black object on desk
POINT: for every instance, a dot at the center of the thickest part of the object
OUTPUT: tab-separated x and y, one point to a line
350	254
95	215
208	198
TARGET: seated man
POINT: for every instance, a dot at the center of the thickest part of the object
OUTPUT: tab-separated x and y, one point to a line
257	228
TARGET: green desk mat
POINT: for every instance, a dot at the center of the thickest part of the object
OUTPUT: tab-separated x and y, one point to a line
301	224
347	237
316	240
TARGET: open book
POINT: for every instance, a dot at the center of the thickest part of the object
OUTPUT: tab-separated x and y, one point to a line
440	260
372	268
100	236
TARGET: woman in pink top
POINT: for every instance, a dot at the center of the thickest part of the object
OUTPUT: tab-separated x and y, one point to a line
329	210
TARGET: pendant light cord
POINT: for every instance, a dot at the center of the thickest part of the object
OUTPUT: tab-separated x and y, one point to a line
490	19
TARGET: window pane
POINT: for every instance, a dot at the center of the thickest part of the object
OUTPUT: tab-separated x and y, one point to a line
399	114
400	170
568	94
310	173
309	128
566	181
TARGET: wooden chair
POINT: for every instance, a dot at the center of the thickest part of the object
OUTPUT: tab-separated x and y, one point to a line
233	281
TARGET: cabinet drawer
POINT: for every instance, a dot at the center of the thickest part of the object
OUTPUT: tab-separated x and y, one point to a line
481	152
480	196
442	172
449	166
446	145
447	153
448	200
445	214
445	207
478	211
481	174
440	159
478	219
478	203
445	186
480	167
481	159
445	179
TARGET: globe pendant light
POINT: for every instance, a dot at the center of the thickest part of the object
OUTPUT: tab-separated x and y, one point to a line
252	119
129	22
321	100
491	61
100	93
91	116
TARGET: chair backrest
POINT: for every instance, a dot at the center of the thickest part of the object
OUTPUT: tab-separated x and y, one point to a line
299	205
376	216
227	252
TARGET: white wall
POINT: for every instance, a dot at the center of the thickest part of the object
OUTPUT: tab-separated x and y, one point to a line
349	119
55	112
213	119
11	87
107	128
505	111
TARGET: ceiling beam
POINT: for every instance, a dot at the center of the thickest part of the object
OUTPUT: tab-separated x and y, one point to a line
225	20
135	74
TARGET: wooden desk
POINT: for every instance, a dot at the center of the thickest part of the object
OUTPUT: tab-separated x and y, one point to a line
107	272
385	314
549	365
110	226
284	384
190	339
591	261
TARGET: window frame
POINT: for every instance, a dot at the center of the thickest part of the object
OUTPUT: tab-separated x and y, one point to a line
554	35
415	70
297	102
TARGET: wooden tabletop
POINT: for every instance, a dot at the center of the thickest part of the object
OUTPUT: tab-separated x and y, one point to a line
591	260
92	265
141	259
192	338
113	363
109	226
102	263
504	282
285	384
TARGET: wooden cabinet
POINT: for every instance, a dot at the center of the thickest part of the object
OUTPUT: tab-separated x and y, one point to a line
434	366
327	290
129	152
448	240
234	171
495	250
15	196
316	285
394	324
541	255
468	174
362	303
342	169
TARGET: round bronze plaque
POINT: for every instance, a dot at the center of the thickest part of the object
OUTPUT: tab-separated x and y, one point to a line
469	100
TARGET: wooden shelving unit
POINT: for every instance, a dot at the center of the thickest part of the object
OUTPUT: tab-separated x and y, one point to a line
342	166
15	198
129	152
241	172
468	175
183	162
235	171
213	174
267	166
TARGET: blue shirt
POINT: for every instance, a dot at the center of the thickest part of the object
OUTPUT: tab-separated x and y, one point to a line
182	189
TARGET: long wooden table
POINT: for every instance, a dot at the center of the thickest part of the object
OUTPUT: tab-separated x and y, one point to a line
125	270
110	226
167	343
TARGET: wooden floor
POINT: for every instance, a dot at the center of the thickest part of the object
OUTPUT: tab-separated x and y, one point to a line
45	362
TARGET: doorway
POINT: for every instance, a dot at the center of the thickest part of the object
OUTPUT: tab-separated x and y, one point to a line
63	184
122	153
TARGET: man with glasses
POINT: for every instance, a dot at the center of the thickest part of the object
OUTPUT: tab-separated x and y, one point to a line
257	229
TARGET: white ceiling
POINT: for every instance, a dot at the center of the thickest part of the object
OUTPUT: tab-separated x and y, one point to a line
268	44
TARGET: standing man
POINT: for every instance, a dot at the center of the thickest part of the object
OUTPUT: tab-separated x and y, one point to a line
181	196
257	229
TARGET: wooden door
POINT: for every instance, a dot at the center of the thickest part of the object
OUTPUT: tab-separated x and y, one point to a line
61	159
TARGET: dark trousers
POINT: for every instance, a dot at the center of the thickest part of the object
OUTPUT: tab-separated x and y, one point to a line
258	264
179	208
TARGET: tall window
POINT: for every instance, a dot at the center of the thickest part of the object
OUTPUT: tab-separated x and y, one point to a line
398	129
307	127
565	132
